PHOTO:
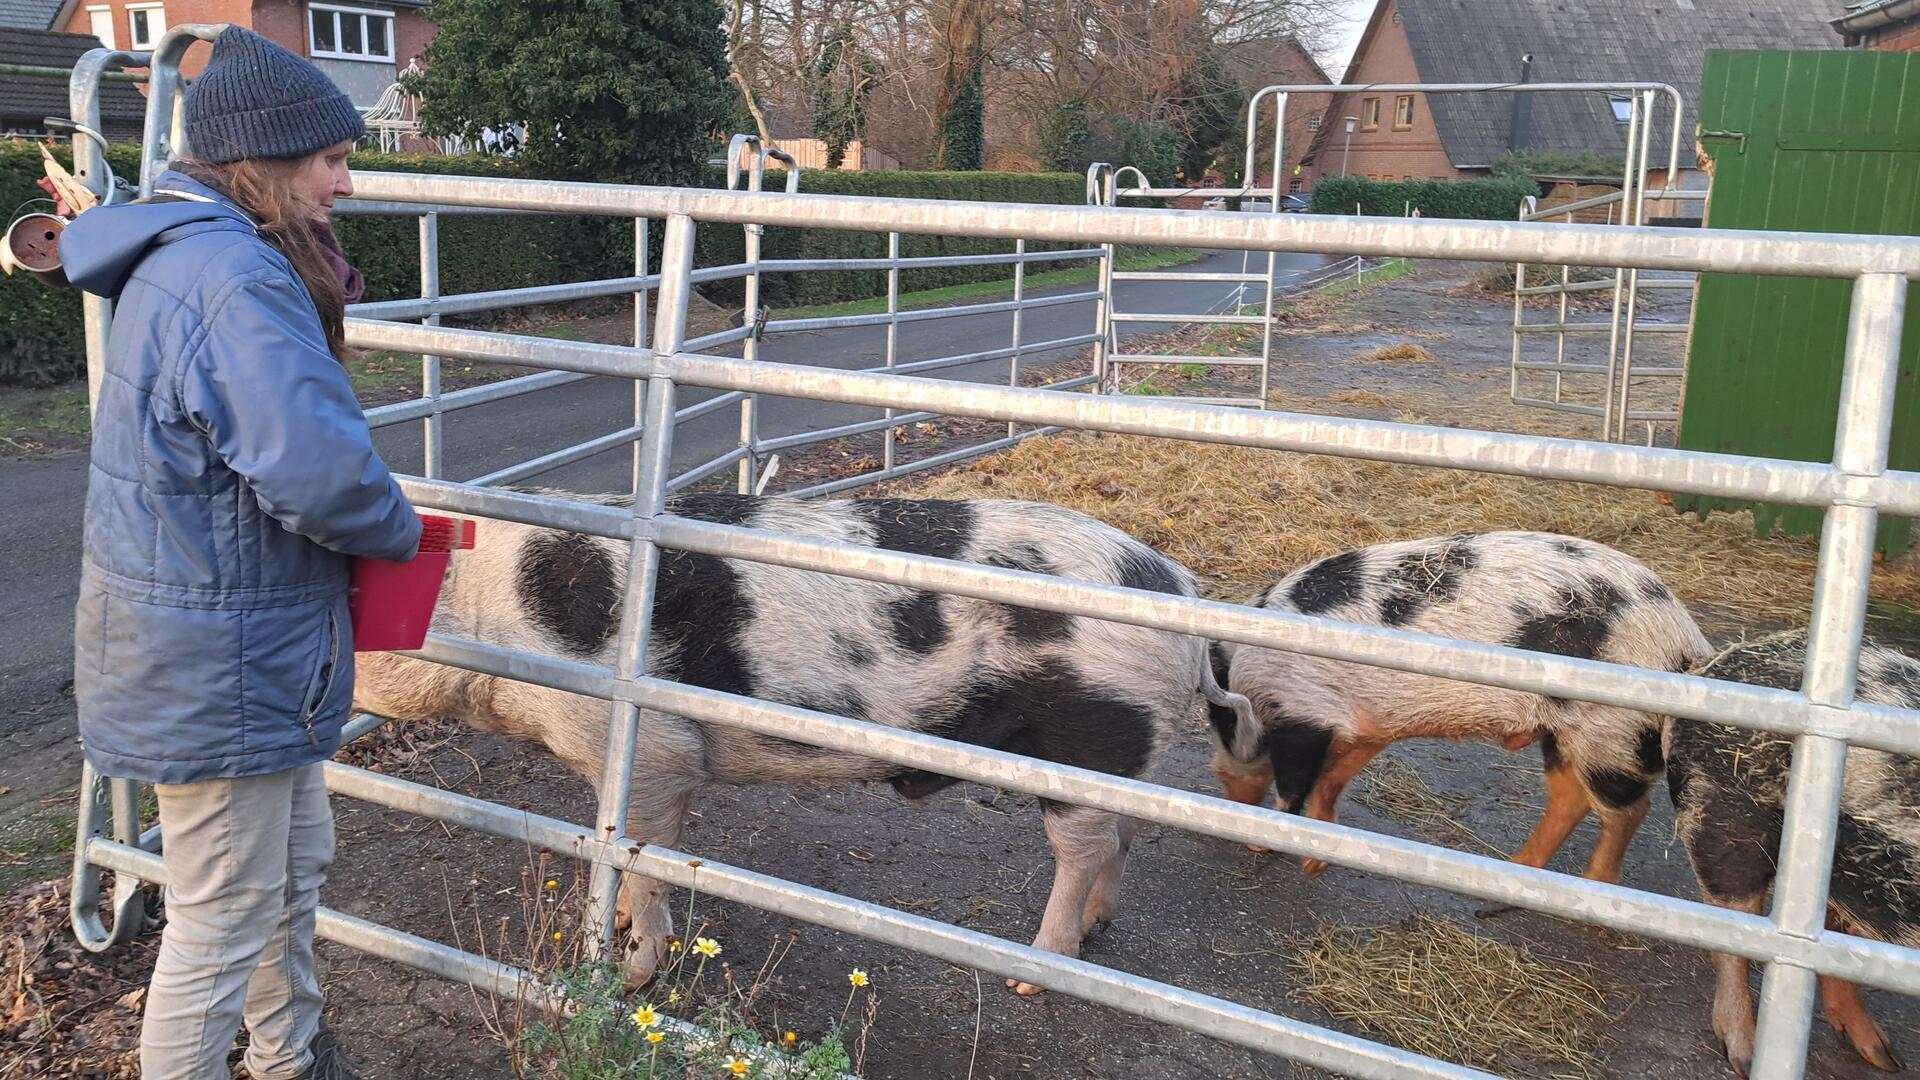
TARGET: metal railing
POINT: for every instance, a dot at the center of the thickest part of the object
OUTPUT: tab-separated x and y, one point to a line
1822	719
1615	393
1102	189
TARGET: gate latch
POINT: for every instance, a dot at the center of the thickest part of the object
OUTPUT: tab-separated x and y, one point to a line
1739	137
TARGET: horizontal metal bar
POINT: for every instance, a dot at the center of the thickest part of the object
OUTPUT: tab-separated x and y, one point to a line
358	726
1694	472
1027	304
720	273
377	208
1793	254
1599	328
1596	369
557	459
1667	283
914	262
701	472
1175	275
496	299
1562	406
1613	906
1068	384
719	338
1187	317
1547	213
526	508
369	937
712	404
1149	358
1496	665
419	408
1249	401
808	438
1132	994
1570	287
903	469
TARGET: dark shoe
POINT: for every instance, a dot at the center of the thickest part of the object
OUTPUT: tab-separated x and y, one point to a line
330	1061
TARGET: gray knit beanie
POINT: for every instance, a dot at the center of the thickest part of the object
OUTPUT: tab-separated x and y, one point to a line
258	100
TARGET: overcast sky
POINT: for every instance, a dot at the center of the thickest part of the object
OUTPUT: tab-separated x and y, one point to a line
1340	48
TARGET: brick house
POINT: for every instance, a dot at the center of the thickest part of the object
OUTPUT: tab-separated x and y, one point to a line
1455	136
1881	25
362	46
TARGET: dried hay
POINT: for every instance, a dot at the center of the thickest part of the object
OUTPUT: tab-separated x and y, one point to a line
1431	987
1404	353
1241	516
1395	789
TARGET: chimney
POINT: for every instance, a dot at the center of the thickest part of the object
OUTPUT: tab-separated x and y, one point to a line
1518	128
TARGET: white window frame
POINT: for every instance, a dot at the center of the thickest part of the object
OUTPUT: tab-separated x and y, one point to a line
156	26
1622	108
112	35
340	13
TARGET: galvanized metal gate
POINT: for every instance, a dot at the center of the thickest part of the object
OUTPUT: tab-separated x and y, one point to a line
1823	719
1815	142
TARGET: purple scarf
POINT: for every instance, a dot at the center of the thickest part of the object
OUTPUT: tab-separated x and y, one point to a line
353	284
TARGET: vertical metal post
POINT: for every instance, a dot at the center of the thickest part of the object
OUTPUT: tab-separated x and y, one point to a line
893	338
1635	211
1833	653
434	425
1519	311
1273	207
1103	315
1634	121
655	454
640	228
750	350
90	168
1019	295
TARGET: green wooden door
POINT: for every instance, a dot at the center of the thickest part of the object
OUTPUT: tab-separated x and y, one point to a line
1805	141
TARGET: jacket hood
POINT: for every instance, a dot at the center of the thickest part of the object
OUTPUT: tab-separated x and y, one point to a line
101	248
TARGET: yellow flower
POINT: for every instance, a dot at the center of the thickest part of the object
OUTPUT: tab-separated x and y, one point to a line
706	946
790	1038
557	935
645	1016
1167	524
738	1066
673	997
857	977
553	884
674	945
655	1036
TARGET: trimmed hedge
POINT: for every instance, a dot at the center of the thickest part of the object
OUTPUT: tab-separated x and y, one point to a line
1495	199
40	332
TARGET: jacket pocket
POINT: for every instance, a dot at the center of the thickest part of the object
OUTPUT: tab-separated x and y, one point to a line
320	683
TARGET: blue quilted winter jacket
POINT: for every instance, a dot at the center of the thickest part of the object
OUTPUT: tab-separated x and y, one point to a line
232	475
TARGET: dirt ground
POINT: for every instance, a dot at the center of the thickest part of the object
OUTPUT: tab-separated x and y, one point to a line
1200	913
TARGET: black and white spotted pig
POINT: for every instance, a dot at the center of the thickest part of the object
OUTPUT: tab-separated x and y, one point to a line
1321	721
1729	788
1083	692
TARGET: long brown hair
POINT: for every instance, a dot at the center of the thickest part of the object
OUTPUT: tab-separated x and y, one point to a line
267	190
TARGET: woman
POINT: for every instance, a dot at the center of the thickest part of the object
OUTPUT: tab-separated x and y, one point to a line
232	475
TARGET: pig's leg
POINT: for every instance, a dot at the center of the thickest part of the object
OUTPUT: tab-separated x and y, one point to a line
1849	1016
1084	842
656	813
1733	994
1344	764
1103	900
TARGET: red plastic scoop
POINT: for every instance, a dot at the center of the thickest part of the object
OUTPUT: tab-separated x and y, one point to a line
392	602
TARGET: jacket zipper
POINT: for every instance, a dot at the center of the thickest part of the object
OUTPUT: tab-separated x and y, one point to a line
333	660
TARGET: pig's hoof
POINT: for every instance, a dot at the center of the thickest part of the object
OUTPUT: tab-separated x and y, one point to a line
1313	868
1024	989
1257	849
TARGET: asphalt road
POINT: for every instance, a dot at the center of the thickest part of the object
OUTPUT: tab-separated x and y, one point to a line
44	497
